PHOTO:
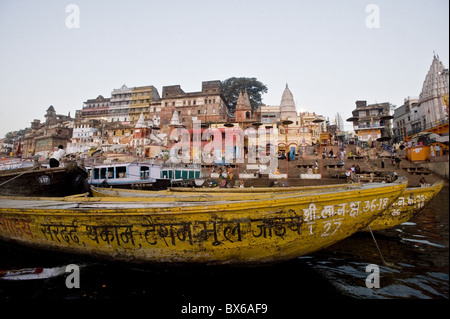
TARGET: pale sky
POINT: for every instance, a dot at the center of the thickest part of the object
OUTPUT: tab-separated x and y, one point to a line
324	50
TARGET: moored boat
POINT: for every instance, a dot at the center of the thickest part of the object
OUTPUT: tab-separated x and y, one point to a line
142	175
221	190
192	195
45	182
412	201
210	232
407	205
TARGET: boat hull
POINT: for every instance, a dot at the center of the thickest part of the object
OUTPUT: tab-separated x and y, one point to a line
121	195
50	182
247	233
407	205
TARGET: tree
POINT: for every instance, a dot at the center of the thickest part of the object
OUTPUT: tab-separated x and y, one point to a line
10	137
232	86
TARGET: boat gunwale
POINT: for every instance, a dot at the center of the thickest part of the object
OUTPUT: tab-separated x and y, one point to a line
203	195
399	187
437	184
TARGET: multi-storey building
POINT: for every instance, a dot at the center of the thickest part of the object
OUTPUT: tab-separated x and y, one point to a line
406	121
96	108
371	121
165	114
270	114
339	121
207	106
43	137
118	133
86	135
119	105
141	102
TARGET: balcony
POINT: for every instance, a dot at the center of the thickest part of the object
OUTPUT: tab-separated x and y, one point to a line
375	126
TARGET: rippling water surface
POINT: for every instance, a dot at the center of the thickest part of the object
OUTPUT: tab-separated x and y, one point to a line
416	256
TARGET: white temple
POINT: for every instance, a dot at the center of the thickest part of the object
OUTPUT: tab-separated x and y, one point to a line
287	105
435	86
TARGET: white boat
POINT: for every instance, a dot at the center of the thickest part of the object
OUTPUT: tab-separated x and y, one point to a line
142	175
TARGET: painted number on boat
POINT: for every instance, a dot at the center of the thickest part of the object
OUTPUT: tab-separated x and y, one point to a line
331	228
44	180
417	202
312	213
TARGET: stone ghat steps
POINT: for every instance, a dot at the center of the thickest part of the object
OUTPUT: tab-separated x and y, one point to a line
333	173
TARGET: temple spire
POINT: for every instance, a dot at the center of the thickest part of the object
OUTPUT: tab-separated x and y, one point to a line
287	105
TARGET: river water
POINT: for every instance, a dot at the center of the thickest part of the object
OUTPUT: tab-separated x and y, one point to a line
416	256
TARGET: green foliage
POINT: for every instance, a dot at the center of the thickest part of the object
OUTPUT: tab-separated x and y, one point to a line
232	86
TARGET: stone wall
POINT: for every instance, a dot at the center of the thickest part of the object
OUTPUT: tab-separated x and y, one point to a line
439	168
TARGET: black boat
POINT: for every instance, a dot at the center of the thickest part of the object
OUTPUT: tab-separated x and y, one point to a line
44	182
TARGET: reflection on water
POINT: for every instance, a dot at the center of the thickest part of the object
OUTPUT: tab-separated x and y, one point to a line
416	253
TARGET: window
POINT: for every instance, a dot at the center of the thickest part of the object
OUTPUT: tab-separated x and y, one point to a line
121	172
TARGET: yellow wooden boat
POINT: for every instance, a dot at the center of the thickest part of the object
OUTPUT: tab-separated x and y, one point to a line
221	232
412	201
126	195
407	205
239	190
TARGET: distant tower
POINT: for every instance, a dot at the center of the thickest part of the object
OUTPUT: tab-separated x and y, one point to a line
339	122
287	105
141	135
50	116
243	112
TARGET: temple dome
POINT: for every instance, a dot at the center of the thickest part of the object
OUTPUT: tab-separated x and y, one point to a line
287	105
